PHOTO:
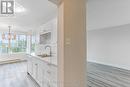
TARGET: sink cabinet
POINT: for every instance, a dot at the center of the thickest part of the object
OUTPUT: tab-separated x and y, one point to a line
43	73
30	66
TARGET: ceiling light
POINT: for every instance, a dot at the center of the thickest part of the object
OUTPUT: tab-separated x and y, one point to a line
10	36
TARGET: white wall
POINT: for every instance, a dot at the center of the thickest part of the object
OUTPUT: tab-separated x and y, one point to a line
109	12
110	46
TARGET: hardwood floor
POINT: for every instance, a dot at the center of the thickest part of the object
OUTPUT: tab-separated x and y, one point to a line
15	75
107	76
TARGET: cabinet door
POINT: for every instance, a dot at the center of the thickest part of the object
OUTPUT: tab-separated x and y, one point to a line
35	70
29	66
43	76
44	81
51	76
47	27
40	73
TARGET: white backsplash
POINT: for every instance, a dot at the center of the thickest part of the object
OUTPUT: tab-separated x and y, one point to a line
50	26
39	49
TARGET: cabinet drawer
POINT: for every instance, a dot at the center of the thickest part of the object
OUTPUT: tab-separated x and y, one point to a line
54	84
50	83
51	73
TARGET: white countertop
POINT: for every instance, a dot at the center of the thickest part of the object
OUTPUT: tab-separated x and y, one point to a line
50	60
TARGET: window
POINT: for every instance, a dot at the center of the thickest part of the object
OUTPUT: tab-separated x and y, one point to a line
20	44
17	45
3	45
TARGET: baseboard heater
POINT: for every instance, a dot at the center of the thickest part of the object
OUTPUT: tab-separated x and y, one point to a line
11	61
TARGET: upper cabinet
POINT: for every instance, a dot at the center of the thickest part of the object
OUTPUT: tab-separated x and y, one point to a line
48	32
45	28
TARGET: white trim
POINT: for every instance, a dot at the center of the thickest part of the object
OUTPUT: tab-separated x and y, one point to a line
113	65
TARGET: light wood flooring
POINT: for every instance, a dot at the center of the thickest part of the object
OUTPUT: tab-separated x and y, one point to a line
15	75
107	76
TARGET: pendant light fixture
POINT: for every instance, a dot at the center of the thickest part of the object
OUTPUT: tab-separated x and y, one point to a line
9	36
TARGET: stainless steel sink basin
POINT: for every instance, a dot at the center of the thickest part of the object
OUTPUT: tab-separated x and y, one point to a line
44	55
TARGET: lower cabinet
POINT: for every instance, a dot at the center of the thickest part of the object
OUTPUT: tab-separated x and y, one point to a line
40	75
43	73
50	76
35	70
30	67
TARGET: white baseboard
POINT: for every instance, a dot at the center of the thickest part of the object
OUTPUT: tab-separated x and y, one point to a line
113	65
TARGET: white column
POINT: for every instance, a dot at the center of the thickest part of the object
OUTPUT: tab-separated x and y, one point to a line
72	43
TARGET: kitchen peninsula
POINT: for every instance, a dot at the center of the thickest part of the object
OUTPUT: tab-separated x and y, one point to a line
42	65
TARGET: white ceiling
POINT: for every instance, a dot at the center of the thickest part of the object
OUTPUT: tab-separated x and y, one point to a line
37	12
107	13
100	14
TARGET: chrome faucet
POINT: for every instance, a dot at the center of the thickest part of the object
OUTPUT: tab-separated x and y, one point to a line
49	48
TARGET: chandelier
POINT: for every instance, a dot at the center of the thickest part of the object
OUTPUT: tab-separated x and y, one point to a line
9	36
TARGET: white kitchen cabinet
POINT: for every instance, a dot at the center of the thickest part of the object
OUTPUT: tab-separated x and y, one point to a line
43	78
50	76
35	70
30	66
47	27
50	26
40	73
45	74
